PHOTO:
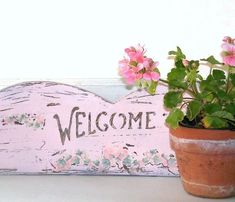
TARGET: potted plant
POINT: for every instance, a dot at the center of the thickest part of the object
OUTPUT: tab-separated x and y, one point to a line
201	115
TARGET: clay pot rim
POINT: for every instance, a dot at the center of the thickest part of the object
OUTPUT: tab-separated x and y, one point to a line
188	126
202	133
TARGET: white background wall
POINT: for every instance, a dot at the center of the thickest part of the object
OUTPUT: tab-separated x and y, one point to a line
85	39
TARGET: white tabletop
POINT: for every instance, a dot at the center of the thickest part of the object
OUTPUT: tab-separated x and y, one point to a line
94	189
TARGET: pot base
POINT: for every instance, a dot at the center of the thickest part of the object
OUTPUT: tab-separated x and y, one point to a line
207	191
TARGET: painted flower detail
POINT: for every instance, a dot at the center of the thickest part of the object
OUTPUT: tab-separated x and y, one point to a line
117	159
228	53
35	121
138	68
117	153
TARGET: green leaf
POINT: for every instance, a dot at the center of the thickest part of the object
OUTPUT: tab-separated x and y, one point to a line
194	64
232	94
204	84
222	95
193	109
223	115
199	77
176	84
218	119
178	54
206	96
172	53
230	108
175	116
214	122
179	64
152	88
232	77
176	74
218	74
212	107
211	84
172	99
176	78
192	76
211	60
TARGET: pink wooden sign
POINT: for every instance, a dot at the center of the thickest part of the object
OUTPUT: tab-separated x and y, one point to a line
52	128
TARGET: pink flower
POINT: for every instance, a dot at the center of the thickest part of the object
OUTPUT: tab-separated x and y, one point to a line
131	75
228	39
136	54
228	53
152	72
137	66
155	76
123	63
185	62
148	62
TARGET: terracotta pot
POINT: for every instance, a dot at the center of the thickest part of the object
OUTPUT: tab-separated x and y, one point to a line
206	160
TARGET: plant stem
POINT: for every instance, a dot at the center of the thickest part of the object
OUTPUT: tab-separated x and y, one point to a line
191	98
167	82
164	81
185	103
211	69
229	90
229	70
195	88
188	98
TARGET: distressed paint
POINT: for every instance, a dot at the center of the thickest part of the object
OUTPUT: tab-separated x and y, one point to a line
53	128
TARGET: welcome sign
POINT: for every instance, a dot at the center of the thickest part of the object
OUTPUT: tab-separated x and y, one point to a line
53	128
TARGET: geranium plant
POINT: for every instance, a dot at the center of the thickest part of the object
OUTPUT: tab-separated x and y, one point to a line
193	100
